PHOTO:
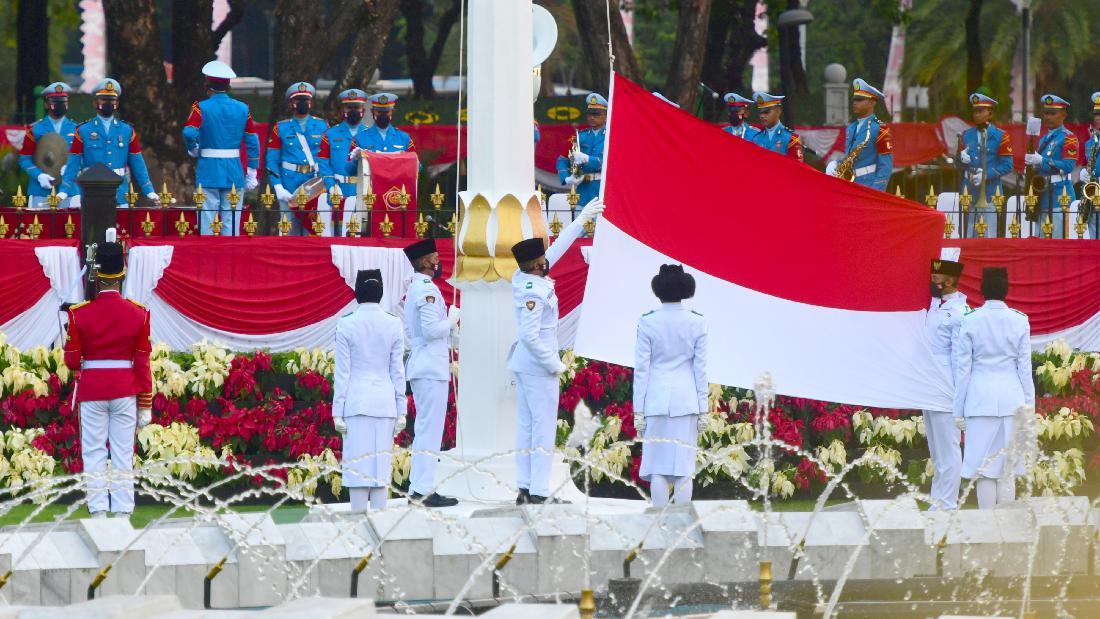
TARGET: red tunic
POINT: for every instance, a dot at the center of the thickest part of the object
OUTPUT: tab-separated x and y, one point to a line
110	328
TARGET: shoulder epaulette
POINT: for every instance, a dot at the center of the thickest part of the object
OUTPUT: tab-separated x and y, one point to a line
648	313
427	280
76	306
970	310
696	313
135	302
347	314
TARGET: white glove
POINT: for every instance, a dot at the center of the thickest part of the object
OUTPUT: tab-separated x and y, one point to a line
1085	176
62	195
74	203
194	152
559	369
592	209
340	425
976	177
145	417
639	423
282	194
1033	159
400	425
579	158
453	315
960	423
830	168
45	181
250	180
964	156
355	152
152	195
573	180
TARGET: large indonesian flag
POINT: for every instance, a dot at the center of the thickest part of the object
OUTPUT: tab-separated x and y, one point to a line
819	281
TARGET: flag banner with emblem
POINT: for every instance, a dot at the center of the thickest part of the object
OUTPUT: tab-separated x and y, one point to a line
389	174
822	282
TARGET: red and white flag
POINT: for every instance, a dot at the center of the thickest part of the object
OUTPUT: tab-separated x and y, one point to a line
822	282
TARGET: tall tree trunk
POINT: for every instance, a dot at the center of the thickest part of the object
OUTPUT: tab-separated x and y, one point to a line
134	54
366	51
32	26
591	18
192	47
718	34
974	65
419	70
682	85
744	41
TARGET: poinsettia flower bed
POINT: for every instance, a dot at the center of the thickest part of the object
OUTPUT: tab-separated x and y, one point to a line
215	407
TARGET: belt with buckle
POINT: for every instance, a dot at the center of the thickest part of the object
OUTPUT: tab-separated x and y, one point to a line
220	153
588	178
300	168
865	170
107	364
1058	178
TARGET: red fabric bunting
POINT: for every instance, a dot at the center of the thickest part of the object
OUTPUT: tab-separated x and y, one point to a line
22	282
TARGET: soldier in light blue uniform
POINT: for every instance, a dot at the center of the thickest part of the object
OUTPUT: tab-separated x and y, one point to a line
106	139
1092	173
55	121
213	133
875	161
986	152
336	146
583	166
1055	158
382	136
773	135
738	109
292	150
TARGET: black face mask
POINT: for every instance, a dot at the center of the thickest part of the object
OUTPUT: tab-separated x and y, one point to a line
382	121
735	120
936	290
437	270
106	109
59	109
354	117
301	106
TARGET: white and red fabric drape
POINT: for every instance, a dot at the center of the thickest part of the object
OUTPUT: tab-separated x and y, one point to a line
34	280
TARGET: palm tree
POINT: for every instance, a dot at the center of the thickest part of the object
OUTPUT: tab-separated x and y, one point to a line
1061	43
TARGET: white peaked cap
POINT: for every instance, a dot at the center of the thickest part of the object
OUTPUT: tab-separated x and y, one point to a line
219	70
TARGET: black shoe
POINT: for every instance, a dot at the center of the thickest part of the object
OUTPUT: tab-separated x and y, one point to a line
524	496
433	500
535	499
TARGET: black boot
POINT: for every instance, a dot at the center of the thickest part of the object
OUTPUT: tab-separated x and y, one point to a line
433	500
524	496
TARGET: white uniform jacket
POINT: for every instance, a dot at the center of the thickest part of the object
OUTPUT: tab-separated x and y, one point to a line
369	378
427	330
536	349
942	325
992	353
670	362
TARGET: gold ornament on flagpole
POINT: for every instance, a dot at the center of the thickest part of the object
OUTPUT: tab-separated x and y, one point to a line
1048	227
147	225
318	225
897	192
284	226
353	227
216	225
1031	201
300	197
369	200
420	227
573	198
1063	201
52	199
981	227
4	227
999	201
556	225
166	196
966	199
590	227
1014	227
131	196
1081	226
199	197
70	228
453	224
403	199
948	228
250	225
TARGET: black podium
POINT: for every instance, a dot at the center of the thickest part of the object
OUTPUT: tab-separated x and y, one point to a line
98	187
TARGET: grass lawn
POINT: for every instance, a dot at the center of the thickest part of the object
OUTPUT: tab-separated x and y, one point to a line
144	514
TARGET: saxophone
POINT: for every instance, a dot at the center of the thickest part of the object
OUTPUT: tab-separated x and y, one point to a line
846	168
1091	189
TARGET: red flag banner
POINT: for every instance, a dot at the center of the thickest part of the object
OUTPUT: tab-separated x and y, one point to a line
393	175
819	281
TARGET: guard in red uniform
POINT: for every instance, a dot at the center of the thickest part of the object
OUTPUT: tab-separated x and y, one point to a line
108	346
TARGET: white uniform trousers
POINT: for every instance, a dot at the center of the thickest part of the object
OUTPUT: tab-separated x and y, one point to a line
368	452
536	428
987	442
430	398
943	447
670	447
113	421
349	213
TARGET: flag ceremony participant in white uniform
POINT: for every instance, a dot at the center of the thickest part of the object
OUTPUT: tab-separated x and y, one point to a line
993	379
428	329
534	357
369	401
941	428
670	386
